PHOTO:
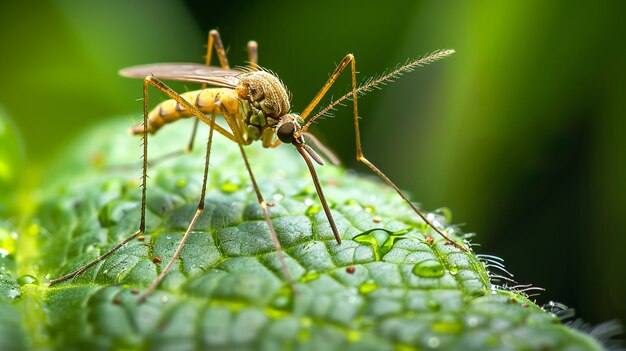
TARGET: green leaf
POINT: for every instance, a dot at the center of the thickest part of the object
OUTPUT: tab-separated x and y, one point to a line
387	287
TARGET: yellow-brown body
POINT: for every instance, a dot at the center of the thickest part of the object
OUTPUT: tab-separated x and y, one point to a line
254	106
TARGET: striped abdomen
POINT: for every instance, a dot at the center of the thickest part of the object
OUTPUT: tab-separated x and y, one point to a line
170	111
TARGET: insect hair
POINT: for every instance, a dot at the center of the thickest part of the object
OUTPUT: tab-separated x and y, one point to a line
385	78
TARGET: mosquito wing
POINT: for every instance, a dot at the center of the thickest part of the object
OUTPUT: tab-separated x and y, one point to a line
187	72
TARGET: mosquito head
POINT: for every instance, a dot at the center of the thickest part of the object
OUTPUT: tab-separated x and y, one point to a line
288	129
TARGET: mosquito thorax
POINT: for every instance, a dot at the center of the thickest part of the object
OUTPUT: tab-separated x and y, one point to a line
265	92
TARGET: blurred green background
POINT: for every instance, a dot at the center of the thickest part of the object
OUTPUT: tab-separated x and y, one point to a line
522	133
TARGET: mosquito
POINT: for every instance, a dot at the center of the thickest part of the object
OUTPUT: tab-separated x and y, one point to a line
256	107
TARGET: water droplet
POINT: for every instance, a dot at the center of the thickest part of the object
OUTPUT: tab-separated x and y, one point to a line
277	197
27	279
310	276
181	183
429	269
169	237
368	287
434	342
14	293
472	322
229	186
351	202
313	209
370	209
164	299
454	270
309	202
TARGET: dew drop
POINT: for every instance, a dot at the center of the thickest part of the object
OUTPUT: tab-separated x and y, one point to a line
27	279
313	209
429	269
310	276
454	270
472	322
14	294
229	186
277	197
368	287
434	342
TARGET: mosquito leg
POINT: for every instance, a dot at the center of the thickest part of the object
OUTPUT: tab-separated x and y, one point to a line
199	210
279	250
214	42
142	222
331	80
320	193
349	59
253	54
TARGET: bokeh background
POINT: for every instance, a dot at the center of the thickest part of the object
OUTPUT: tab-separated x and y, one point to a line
522	133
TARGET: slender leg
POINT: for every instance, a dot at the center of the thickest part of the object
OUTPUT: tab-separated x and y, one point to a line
214	42
253	55
279	250
199	210
142	222
349	59
198	114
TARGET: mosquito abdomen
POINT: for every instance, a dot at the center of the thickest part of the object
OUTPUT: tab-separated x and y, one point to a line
170	111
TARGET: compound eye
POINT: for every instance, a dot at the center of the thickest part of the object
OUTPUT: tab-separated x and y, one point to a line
285	132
